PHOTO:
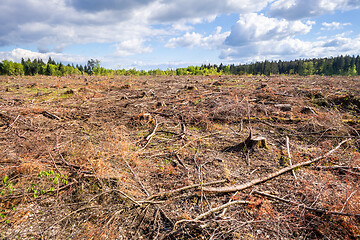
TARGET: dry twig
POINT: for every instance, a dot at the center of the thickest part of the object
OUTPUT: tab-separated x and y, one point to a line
213	210
289	156
304	206
151	135
136	178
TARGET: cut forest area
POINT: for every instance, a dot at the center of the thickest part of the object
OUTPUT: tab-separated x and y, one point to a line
179	157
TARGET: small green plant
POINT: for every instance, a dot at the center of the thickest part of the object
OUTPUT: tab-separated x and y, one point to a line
51	178
3	216
8	186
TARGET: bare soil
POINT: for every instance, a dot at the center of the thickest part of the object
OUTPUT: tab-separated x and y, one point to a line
87	157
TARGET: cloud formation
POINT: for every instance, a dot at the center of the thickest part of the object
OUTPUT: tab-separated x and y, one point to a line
253	27
299	9
55	22
288	49
114	5
17	54
256	37
193	39
174	10
131	47
334	25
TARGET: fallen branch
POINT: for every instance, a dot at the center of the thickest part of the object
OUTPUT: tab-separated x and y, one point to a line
14	121
340	169
147	193
335	168
235	132
151	135
154	131
270	176
126	196
289	155
180	161
213	210
72	213
101	182
169	193
304	206
136	178
50	115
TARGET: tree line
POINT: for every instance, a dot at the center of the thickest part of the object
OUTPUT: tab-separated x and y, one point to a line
341	65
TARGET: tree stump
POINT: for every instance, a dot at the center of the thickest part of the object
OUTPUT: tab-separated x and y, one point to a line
248	145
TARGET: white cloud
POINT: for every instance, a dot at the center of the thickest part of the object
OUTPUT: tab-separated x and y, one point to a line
289	48
55	24
298	9
334	25
257	37
18	53
193	39
175	10
253	28
131	47
181	26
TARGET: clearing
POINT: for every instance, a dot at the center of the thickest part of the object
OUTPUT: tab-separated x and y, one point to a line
87	157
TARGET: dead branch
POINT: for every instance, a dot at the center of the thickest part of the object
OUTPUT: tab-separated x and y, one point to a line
169	193
225	209
137	179
72	213
335	168
151	135
180	161
272	175
347	200
14	121
183	130
50	115
289	156
234	131
339	168
301	205
101	182
126	196
154	131
147	193
213	210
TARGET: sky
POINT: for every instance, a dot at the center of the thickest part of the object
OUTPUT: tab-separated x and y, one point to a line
151	34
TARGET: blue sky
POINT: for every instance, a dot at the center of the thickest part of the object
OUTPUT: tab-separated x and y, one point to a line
150	34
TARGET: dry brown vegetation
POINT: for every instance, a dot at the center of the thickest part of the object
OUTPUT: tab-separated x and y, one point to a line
105	157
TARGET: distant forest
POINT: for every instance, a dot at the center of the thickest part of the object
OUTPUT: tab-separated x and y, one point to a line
341	65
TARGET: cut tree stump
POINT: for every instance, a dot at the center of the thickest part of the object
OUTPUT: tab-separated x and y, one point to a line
248	145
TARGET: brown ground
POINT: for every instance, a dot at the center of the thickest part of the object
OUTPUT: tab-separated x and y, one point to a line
79	157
